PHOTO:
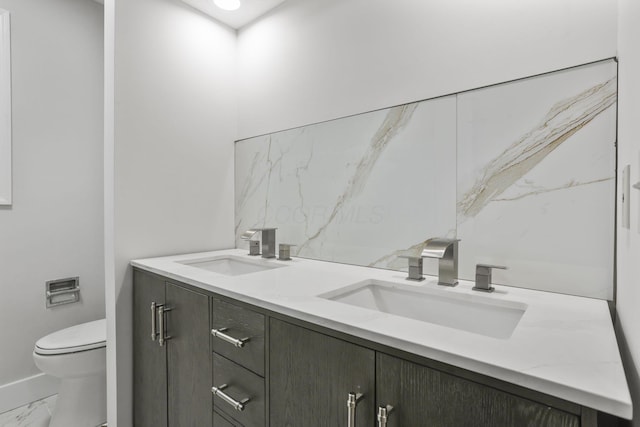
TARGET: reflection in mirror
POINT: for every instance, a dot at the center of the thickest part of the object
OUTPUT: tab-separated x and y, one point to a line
5	109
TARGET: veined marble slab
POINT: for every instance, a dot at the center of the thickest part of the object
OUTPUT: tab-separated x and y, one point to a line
536	180
35	414
522	172
358	190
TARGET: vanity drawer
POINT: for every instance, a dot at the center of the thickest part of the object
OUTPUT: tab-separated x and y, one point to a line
240	384
220	421
232	322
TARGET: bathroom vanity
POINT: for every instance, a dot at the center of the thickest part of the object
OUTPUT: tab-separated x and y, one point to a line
224	339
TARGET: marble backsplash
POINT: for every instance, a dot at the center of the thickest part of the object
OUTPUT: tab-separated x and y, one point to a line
522	172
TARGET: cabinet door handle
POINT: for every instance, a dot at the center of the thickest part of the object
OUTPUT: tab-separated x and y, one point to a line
383	415
162	310
352	402
154	326
219	333
237	405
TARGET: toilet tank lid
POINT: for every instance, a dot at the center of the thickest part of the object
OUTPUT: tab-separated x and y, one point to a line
85	336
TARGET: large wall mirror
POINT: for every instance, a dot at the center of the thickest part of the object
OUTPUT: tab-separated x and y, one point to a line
5	108
522	172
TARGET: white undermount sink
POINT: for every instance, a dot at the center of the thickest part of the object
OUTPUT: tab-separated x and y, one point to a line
478	314
231	265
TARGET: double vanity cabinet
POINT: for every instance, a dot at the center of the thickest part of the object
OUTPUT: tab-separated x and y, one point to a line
203	359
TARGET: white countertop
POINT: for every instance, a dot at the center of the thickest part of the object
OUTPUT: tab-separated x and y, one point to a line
563	345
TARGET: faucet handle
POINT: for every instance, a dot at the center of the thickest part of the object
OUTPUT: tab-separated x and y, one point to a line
483	277
481	268
284	251
415	267
254	245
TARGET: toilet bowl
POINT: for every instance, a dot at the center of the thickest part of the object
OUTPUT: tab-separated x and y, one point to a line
76	355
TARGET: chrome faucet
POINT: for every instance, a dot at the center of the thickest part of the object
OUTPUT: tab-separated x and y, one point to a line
483	277
268	241
446	250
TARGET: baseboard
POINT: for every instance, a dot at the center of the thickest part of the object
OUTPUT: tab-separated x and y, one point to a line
27	390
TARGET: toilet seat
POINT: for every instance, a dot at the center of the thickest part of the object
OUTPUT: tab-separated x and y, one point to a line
87	336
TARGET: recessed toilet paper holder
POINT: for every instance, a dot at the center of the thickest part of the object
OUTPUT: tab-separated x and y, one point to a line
62	291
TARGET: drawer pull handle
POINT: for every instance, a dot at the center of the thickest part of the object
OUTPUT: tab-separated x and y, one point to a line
219	333
162	333
352	402
237	405
383	415
154	326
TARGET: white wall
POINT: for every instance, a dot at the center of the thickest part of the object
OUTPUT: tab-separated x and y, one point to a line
5	107
311	60
169	152
54	228
629	154
169	158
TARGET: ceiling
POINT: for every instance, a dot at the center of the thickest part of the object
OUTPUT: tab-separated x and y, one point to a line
248	11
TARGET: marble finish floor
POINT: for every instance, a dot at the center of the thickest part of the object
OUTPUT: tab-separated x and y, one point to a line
35	414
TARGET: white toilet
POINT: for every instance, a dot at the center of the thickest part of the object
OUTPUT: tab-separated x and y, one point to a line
76	355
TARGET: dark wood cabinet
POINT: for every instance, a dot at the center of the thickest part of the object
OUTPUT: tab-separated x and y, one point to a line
172	381
291	373
311	376
220	421
242	386
245	325
149	359
422	396
238	343
188	358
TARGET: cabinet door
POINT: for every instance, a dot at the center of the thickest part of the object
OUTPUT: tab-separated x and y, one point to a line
426	397
311	375
149	359
188	358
